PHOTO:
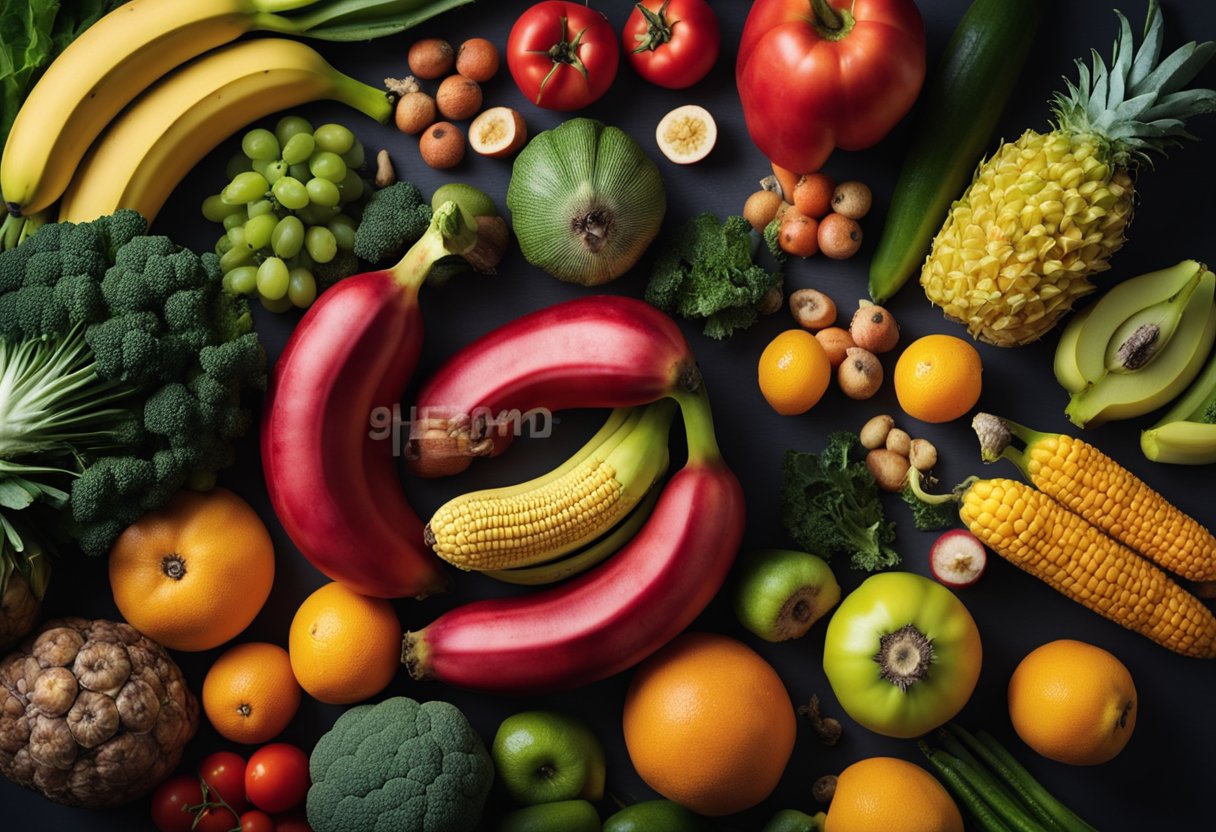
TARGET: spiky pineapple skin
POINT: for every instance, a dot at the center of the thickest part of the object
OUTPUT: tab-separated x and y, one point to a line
1040	217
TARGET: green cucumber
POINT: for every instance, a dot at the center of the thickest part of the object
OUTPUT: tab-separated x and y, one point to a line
656	816
962	103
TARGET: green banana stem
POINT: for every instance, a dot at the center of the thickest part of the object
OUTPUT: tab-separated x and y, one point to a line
996	437
15	230
698	426
277	6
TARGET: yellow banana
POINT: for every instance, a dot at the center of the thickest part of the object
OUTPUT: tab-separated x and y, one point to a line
97	75
151	146
1180	443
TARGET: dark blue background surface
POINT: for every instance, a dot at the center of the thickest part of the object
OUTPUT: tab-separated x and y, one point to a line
1162	780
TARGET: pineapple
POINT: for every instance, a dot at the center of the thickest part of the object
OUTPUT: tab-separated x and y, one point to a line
1047	211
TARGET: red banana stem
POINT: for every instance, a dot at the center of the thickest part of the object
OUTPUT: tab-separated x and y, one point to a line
613	617
598	351
335	489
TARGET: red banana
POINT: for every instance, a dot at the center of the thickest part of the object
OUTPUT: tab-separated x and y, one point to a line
598	351
613	617
335	489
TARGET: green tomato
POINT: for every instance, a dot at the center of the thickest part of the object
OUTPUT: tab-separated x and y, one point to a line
902	654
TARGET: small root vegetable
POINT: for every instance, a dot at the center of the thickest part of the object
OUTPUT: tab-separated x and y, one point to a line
824	789
813	195
477	58
889	468
442	145
922	454
812	309
458	98
852	199
874	328
835	341
839	236
873	433
431	58
385	175
899	441
825	728
772	300
798	234
415	112
761	208
860	374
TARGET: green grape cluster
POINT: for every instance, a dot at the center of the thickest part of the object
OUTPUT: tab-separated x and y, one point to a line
287	211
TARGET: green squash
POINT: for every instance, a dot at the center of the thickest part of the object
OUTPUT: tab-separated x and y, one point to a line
585	201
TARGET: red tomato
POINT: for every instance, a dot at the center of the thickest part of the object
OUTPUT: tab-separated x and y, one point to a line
224	774
276	778
296	821
216	819
808	88
255	821
562	55
672	43
170	801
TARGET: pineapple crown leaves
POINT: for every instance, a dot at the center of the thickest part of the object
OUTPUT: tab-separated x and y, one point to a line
1139	104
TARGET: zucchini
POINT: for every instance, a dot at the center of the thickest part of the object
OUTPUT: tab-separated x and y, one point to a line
962	103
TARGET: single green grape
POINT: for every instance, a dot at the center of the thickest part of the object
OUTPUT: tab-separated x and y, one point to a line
257	209
215	209
355	157
243	280
235	256
300	171
320	243
343	229
351	187
298	148
259	229
226	284
317	214
236	236
327	165
245	187
275	171
288	237
236	165
289	126
323	192
233	221
301	287
277	306
261	166
272	278
223	245
260	143
291	193
334	137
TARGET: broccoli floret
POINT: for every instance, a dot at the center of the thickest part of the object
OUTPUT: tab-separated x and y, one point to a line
930	512
1208	416
706	271
772	237
399	765
393	220
344	264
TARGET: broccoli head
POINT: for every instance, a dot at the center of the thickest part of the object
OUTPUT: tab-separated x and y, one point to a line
394	219
706	271
399	765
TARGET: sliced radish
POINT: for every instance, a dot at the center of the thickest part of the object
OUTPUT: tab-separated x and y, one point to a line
498	132
957	558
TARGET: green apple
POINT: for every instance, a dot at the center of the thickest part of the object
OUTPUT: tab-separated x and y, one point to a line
544	757
656	816
780	593
791	820
563	816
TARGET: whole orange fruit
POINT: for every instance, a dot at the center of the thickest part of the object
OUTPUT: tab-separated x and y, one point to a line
345	647
794	372
195	573
884	794
1073	702
250	694
709	724
938	378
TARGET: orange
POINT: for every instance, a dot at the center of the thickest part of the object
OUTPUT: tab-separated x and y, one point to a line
794	372
195	573
938	378
250	694
883	794
708	724
345	647
1073	702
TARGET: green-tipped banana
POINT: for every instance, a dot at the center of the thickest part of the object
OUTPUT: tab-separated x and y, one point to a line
1186	434
542	519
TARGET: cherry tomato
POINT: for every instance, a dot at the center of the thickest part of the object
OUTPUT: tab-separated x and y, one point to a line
224	773
255	821
170	801
562	55
216	819
296	821
672	43
276	778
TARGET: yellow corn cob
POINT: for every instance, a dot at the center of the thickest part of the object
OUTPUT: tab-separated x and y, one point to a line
1091	484
539	520
1042	537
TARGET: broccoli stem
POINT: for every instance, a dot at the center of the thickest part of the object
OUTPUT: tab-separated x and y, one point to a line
448	233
